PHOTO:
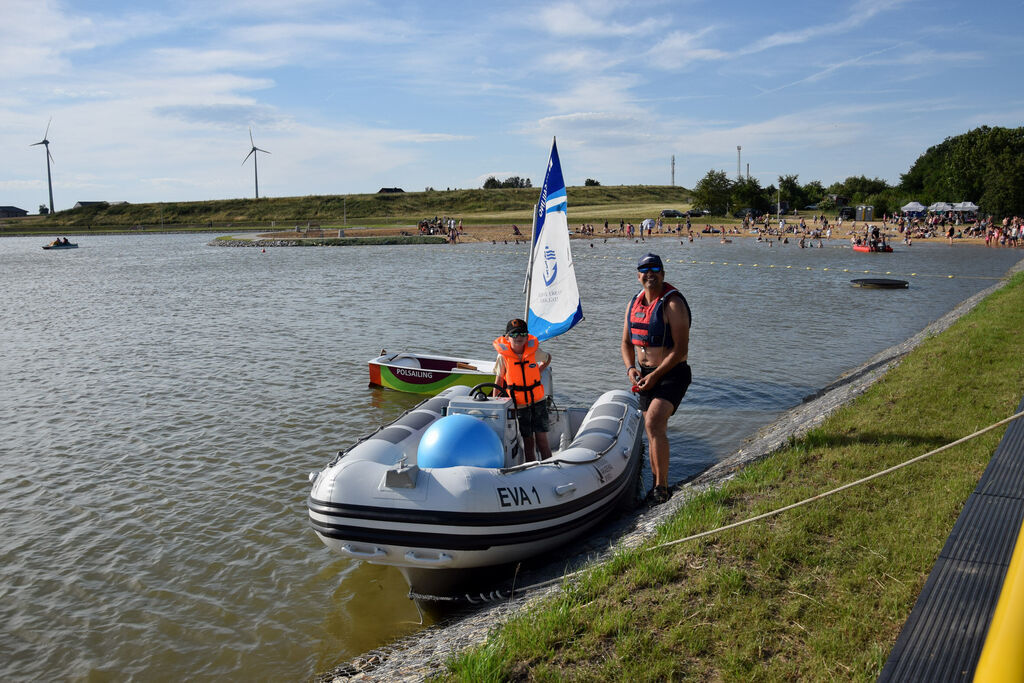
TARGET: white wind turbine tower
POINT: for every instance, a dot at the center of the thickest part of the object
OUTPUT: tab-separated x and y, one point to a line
252	153
49	157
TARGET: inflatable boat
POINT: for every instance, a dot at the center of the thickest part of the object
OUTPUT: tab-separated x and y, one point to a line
443	492
877	248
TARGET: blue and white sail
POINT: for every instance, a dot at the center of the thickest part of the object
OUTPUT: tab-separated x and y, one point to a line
553	300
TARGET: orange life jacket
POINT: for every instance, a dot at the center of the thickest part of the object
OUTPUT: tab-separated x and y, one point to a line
522	375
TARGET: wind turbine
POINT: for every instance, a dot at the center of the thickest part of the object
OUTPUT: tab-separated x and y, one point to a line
252	153
49	157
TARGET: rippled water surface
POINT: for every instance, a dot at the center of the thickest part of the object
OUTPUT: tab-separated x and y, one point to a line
164	400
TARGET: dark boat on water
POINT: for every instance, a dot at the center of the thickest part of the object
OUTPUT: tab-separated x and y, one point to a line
57	244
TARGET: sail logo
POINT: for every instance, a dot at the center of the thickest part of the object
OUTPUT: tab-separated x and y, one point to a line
550	266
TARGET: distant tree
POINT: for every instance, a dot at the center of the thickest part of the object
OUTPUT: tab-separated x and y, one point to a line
44	210
712	192
826	203
516	182
590	182
982	165
858	188
748	193
813	192
791	191
491	183
428	189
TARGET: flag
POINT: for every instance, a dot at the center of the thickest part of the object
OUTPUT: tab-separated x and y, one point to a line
554	303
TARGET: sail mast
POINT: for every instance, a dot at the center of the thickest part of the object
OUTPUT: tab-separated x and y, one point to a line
529	265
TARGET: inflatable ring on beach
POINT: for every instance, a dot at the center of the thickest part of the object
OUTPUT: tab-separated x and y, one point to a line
880	283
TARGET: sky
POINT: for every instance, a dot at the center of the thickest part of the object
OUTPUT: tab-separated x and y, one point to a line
154	101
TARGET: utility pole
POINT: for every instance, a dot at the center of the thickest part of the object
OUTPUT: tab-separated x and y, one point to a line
673	170
739	173
748	170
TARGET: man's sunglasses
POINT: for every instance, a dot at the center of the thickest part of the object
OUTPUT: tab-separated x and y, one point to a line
649	269
513	335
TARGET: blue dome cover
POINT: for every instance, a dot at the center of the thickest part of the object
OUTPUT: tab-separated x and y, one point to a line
460	440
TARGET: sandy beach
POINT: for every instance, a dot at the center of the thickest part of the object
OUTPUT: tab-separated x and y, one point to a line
506	234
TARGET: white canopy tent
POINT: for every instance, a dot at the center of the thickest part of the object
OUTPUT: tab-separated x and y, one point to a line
913	206
970	207
940	207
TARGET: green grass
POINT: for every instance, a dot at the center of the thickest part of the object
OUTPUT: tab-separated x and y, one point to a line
817	593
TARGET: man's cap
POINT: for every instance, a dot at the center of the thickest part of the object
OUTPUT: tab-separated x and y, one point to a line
650	260
516	325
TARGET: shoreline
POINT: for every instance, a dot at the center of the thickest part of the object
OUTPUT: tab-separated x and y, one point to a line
420	655
505	234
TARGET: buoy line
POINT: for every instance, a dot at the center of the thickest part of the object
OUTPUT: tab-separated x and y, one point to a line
495	595
773	266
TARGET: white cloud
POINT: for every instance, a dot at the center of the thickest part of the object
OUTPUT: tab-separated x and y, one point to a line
578	19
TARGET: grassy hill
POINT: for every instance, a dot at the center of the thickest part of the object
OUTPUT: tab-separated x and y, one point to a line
586	204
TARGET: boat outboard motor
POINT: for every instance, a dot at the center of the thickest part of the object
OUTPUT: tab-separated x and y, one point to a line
498	414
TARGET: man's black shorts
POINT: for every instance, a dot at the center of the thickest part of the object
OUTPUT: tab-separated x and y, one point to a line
672	387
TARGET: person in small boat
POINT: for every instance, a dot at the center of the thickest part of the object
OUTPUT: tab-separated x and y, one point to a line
517	370
656	336
65	241
55	243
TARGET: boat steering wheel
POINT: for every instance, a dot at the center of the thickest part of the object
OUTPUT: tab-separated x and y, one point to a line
477	391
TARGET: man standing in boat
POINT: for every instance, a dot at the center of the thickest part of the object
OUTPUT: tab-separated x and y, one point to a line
518	370
656	335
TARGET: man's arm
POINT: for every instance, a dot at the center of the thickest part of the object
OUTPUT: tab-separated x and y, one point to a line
499	375
628	352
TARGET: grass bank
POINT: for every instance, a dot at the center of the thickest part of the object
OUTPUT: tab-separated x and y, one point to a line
817	593
506	205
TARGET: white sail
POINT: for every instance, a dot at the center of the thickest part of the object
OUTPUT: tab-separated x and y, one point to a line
553	305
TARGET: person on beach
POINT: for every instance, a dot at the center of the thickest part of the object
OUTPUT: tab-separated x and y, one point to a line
518	371
656	336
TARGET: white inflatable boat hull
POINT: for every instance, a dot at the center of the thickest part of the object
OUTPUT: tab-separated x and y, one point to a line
374	503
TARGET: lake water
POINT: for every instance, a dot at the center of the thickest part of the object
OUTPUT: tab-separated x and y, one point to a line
164	401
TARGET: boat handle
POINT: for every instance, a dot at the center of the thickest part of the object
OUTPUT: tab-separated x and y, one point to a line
440	558
376	552
565	489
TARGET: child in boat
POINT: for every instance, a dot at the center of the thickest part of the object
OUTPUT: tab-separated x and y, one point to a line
518	371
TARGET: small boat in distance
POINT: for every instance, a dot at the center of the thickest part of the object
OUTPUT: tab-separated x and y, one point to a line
58	244
874	241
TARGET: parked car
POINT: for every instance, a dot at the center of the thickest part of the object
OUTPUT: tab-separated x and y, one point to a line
744	213
695	213
672	213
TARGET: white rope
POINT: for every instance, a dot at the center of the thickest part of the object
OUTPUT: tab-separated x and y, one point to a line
779	511
563	578
868	478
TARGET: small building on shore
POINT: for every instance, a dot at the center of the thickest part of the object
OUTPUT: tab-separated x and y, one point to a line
12	212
